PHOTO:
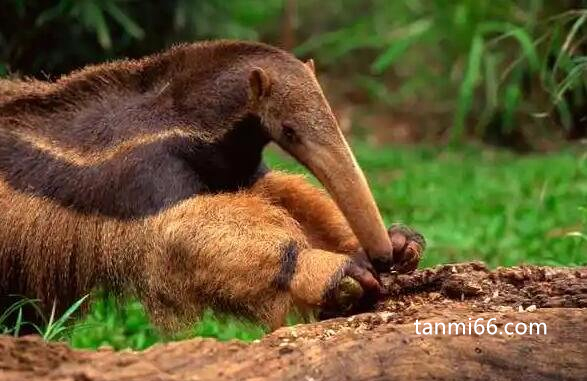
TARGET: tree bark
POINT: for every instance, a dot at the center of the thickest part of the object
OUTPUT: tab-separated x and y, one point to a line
378	345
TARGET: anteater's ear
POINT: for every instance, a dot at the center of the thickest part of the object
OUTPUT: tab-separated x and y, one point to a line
310	64
260	83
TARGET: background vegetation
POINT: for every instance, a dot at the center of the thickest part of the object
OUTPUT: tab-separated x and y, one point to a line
449	75
510	72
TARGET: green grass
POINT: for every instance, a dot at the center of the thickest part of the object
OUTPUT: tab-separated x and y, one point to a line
470	203
127	326
476	203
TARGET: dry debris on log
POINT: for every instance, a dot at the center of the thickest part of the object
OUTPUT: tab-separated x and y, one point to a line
379	345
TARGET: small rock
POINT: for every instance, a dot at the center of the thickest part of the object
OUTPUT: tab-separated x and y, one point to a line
329	333
435	296
520	308
531	308
386	316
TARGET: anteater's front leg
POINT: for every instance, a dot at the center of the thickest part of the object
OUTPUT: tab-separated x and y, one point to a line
318	215
238	253
325	225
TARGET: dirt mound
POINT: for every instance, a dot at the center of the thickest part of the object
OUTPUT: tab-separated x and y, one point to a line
379	345
485	290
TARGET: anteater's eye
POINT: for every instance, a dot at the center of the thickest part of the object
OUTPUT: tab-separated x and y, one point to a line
288	132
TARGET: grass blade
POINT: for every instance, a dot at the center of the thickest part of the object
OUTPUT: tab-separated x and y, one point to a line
55	328
15	306
18	323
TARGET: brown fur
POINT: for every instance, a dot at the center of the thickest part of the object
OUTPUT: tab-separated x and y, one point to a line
177	262
143	176
320	218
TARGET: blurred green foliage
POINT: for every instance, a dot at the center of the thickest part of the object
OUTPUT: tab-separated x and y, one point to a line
49	37
486	67
488	63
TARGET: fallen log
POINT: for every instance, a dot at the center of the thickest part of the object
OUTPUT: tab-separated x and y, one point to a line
379	345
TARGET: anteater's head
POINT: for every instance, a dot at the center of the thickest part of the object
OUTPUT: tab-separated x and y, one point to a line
291	104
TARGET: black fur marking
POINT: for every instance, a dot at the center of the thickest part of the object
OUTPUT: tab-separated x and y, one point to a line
234	162
289	260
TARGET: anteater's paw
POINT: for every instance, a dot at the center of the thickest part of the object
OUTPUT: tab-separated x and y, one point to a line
354	290
408	247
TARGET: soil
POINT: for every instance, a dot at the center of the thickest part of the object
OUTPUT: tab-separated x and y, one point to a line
378	345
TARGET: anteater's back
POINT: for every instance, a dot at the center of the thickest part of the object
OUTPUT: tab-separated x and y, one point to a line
14	88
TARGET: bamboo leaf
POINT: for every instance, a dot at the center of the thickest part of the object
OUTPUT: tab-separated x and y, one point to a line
126	22
577	72
511	101
467	88
522	36
568	40
389	56
94	18
398	47
62	8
